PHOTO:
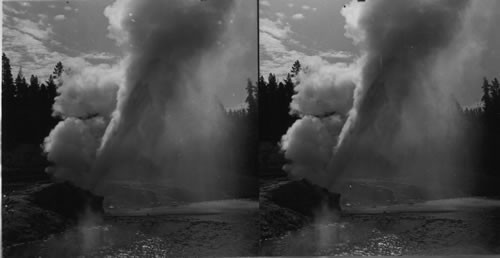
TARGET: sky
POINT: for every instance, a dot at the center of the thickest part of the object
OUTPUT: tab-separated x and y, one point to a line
37	34
291	30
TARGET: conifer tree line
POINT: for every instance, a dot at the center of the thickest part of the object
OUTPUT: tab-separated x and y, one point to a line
27	116
274	104
27	106
484	123
244	137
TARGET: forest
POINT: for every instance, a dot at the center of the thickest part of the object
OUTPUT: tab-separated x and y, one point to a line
28	119
481	125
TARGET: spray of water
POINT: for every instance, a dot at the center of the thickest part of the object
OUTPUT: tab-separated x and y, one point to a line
154	116
391	112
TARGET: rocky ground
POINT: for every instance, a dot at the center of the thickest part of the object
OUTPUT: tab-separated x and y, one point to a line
215	233
37	211
384	226
35	225
289	205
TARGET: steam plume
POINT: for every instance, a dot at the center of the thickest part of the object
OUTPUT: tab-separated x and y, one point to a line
402	121
163	123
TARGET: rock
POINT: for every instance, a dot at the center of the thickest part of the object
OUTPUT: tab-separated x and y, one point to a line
276	221
66	199
42	210
304	197
290	205
22	221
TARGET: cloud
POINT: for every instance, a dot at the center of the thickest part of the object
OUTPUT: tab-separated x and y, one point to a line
306	7
42	16
59	17
314	9
265	3
36	30
29	44
280	15
99	55
275	56
10	10
279	50
298	16
335	54
68	8
291	5
31	53
275	29
24	43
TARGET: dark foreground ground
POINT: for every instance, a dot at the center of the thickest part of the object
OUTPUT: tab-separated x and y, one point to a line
444	227
190	229
179	234
452	233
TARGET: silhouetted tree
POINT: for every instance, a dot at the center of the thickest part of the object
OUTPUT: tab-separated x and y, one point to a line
8	87
485	122
21	86
296	68
33	90
8	105
486	98
251	98
51	88
58	70
274	105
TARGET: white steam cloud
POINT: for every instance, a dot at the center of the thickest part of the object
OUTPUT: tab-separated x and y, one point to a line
153	117
391	112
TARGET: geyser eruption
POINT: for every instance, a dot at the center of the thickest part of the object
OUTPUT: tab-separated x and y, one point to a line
165	124
391	113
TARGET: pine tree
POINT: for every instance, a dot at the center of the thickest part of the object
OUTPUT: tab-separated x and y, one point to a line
34	90
486	96
8	106
58	70
21	86
272	83
8	87
495	91
289	87
251	98
296	67
51	89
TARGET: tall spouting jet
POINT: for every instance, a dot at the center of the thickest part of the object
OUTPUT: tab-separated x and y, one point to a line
155	117
392	113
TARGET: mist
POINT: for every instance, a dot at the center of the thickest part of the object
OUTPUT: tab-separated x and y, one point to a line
153	117
394	104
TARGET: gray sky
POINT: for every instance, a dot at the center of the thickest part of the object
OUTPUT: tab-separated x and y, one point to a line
292	29
295	29
38	34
